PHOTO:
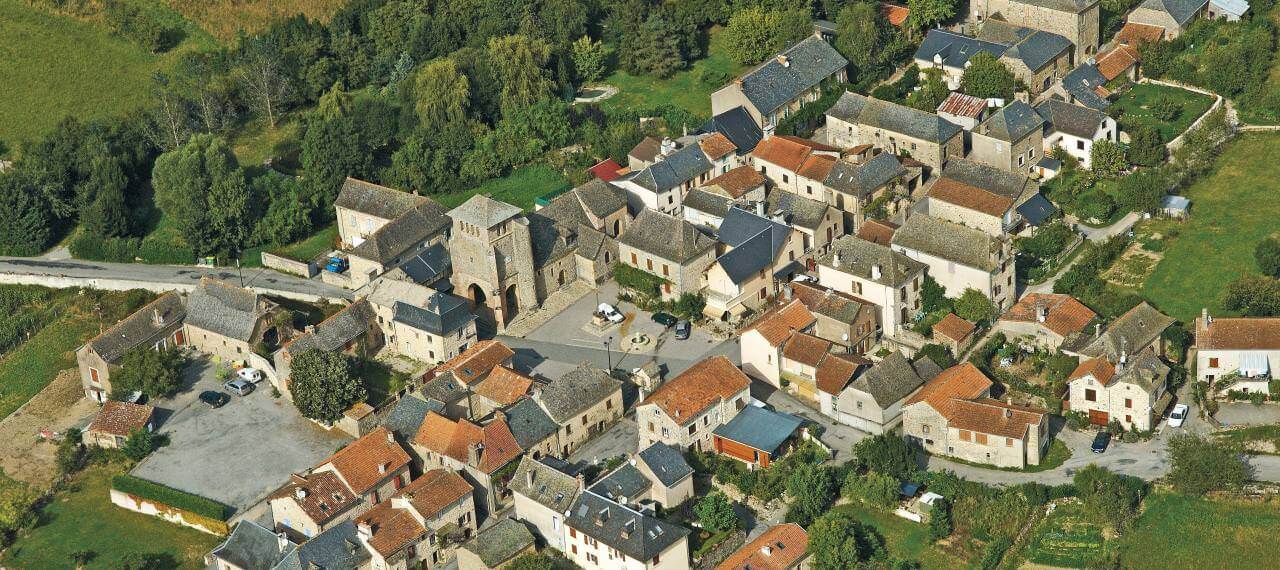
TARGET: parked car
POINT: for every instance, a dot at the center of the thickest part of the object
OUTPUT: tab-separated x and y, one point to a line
1101	441
665	319
238	386
1178	415
214	399
683	328
249	374
610	312
805	278
336	264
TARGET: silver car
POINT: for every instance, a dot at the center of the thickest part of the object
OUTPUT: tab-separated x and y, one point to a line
238	386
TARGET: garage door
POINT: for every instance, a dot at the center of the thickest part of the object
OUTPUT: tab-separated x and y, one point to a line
1098	418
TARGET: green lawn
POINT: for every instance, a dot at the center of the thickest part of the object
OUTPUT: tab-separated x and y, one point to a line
1176	531
83	519
1232	209
903	538
685	89
1065	539
1136	103
32	366
520	188
306	249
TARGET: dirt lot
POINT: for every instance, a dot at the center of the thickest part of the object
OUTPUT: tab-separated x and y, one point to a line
61	405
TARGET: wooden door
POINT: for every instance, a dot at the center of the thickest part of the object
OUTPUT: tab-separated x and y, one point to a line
1098	417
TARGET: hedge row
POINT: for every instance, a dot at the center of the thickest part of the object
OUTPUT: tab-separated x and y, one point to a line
169	496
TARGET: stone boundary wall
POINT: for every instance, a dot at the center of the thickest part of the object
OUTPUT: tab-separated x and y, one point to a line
169	514
67	282
291	266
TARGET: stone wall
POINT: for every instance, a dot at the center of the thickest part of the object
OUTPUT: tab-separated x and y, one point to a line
286	265
170	514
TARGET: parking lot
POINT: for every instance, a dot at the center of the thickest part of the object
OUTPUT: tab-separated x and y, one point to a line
235	454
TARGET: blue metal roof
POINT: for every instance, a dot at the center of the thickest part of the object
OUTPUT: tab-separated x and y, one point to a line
759	428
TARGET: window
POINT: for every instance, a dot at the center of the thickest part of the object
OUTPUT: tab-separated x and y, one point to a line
93	374
608	405
1213	363
573	547
649	264
764	292
1079	145
1091	395
1021	160
859	405
573	534
980	438
1128	402
1008	442
924	429
633	259
965	435
650	426
666	271
786	178
693	428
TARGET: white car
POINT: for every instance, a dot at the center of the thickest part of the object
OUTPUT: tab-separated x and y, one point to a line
250	375
805	278
1178	415
610	312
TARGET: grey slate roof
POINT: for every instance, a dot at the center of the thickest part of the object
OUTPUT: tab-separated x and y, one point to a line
1081	83
599	197
551	488
862	180
140	328
1038	49
374	200
1011	122
707	203
575	391
223	308
857	256
801	212
857	109
442	315
666	236
756	242
529	423
1181	10
566	222
1071	6
759	428
336	547
667	464
443	388
483	211
623	484
736	125
998	181
1144	369
406	415
674	169
1130	333
1001	32
429	266
1037	209
645	536
772	84
947	240
336	331
955	49
500	542
403	232
894	378
1074	120
252	547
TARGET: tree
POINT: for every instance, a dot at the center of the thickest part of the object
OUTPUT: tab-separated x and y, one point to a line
812	489
1166	109
442	93
16	503
140	444
588	59
263	77
103	211
937	353
931	94
839	541
26	226
933	297
886	453
975	307
1202	465
519	63
859	35
1142	191
288	217
202	78
1145	146
940	525
324	384
715	513
653	49
1267	254
532	562
201	188
1107	158
1108	498
70	453
873	489
925	13
1254	296
756	33
156	373
171	116
146	561
986	77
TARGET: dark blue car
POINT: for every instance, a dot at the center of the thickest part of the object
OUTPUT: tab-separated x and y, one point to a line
1101	441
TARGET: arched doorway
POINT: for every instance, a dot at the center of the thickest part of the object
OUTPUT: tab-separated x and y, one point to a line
511	304
476	295
560	277
617	227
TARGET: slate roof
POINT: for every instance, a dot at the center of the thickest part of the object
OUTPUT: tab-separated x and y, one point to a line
598	197
387	292
1037	209
948	240
484	212
1038	49
223	308
636	535
1144	370
374	200
551	488
773	84
1240	333
405	231
140	328
252	547
1130	333
779	548
1083	83
428	266
756	242
1002	32
857	109
962	105
336	547
1065	315
333	333
706	383
1181	10
1071	119
800	212
674	169
1011	185
1072	6
666	236
1011	123
441	315
737	125
862	180
529	423
406	415
955	49
858	256
500	542
121	418
737	181
667	464
623	484
575	391
830	303
707	203
894	378
759	428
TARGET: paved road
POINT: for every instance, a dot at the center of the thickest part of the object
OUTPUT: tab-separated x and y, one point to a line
1100	234
89	273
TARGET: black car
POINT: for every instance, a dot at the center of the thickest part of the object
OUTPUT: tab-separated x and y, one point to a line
664	319
683	328
1101	441
214	399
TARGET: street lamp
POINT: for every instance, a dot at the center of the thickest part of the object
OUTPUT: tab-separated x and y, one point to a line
608	347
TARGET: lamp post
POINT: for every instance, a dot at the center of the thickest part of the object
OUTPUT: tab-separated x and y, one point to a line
608	348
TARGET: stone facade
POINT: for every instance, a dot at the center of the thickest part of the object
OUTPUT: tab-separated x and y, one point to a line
845	134
493	268
929	429
1076	20
1020	156
687	278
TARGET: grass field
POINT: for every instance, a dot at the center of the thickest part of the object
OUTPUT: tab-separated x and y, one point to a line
226	18
83	519
1232	209
1136	103
1065	539
31	366
904	539
685	89
520	188
1175	531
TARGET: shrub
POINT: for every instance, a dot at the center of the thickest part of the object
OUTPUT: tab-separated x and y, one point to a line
715	513
871	488
1166	109
637	280
1202	465
940	525
164	495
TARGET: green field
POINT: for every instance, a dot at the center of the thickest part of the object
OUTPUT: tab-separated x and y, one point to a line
685	89
1135	104
903	538
1065	539
83	519
1232	209
32	366
520	188
1175	531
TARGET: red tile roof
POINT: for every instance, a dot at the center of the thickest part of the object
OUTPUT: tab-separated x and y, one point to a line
837	370
391	529
476	362
323	495
494	441
817	167
368	461
394	527
897	15
778	548
776	324
960	382
704	384
876	231
1116	62
738	181
789	152
994	417
606	170
953	327
1134	34
1099	368
504	386
1065	317
970	197
716	146
1255	333
805	349
121	418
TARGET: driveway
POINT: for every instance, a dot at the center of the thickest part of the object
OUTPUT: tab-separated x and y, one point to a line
238	453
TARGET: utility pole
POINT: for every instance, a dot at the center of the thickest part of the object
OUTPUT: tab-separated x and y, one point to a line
608	347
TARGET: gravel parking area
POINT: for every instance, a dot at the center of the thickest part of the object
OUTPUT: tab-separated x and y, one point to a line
238	453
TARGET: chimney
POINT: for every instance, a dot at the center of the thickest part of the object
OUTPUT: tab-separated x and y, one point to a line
1008	413
737	83
157	318
1042	311
766	550
1204	316
382	468
782	59
474	452
391	437
760	209
875	272
364	530
299	493
309	329
1097	330
835	259
282	541
668	146
786	292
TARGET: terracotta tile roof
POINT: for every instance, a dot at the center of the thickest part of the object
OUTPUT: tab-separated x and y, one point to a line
778	548
1238	334
606	170
815	145
1114	63
897	15
496	444
1066	315
788	152
776	325
1101	370
435	491
817	166
504	386
737	181
369	460
391	529
971	197
960	382
876	231
476	362
962	105
994	417
953	327
805	349
121	418
359	410
323	495
837	370
708	382
717	146
1135	34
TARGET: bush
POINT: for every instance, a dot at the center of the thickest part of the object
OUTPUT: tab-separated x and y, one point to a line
164	495
715	513
1166	109
872	489
713	77
637	280
1202	465
940	525
143	27
994	553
